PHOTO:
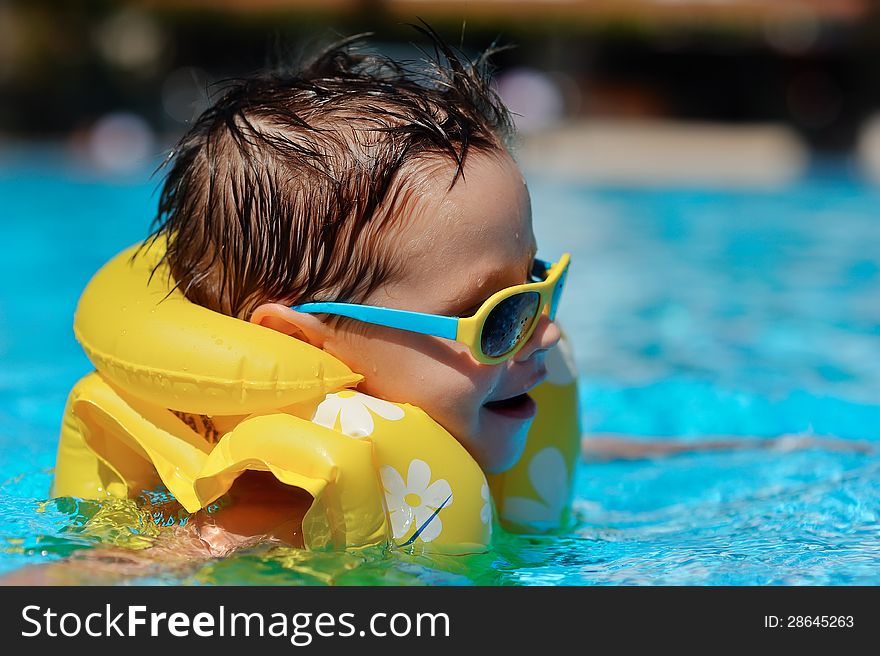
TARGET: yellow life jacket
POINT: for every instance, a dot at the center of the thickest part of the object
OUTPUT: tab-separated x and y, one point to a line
377	472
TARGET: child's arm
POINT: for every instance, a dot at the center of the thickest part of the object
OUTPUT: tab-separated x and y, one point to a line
176	553
259	509
603	447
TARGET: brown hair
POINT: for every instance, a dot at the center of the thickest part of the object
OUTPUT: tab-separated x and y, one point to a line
285	188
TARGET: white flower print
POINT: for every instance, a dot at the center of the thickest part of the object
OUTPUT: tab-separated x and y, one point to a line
353	411
486	510
416	500
548	475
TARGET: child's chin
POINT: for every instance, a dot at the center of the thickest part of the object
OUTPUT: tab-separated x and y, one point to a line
503	440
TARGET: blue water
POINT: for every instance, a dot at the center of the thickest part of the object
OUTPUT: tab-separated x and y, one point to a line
695	313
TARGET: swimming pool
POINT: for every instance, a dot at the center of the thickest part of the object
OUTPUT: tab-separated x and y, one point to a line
694	312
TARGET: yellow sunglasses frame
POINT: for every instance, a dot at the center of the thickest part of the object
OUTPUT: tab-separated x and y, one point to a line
467	330
470	329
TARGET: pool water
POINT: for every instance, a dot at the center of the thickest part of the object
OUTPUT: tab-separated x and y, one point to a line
694	313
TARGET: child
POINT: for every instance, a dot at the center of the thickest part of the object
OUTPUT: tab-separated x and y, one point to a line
358	182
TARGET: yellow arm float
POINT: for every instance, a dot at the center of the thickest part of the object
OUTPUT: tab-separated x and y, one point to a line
535	495
143	335
376	471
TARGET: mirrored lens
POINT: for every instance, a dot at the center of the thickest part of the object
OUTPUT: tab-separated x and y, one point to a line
508	323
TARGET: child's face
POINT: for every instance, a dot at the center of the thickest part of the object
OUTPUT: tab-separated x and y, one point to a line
459	246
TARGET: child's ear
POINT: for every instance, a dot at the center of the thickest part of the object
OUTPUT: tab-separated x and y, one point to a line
300	325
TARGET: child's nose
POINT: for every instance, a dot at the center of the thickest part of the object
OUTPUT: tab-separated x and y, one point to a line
545	337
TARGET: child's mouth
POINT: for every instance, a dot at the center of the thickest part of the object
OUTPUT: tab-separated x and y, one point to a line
522	406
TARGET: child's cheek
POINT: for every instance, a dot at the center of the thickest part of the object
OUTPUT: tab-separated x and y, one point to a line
436	375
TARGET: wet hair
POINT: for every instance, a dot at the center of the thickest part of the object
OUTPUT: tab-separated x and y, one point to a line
288	187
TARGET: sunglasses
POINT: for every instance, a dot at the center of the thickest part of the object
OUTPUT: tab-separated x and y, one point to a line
495	333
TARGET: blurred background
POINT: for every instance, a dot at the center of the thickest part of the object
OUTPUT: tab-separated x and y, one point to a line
713	166
767	83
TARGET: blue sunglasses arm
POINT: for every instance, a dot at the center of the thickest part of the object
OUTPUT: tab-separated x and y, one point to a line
418	322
